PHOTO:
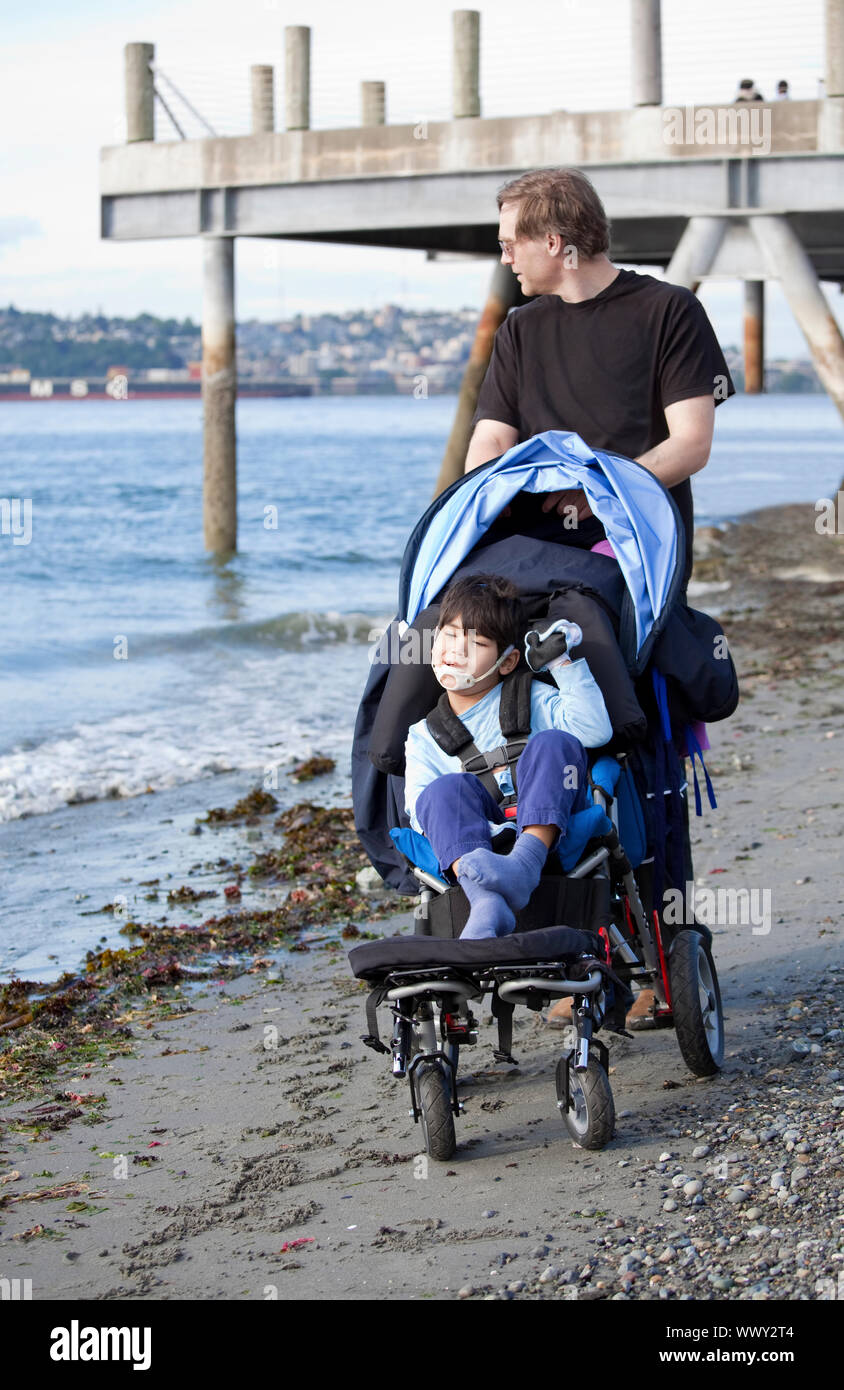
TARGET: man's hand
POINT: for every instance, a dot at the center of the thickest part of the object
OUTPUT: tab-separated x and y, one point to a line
571	497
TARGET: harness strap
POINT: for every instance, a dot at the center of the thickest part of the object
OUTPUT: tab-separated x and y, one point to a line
502	1010
373	1038
451	735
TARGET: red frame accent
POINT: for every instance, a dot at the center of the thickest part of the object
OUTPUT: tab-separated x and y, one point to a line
605	937
511	812
662	965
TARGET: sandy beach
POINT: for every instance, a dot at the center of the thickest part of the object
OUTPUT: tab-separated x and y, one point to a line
232	1138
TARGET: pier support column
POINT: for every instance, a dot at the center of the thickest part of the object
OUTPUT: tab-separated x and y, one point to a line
834	65
140	92
219	391
373	103
754	337
695	251
297	77
466	63
503	295
646	52
263	99
786	260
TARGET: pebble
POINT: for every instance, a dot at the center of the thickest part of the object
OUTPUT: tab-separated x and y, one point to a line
700	1151
679	1179
798	1174
669	1205
665	1158
466	1292
736	1194
549	1275
753	1213
748	1136
538	1252
489	1212
691	1189
778	1180
838	1102
516	1286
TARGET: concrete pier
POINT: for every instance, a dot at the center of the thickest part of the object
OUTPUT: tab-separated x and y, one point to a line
696	250
140	91
263	98
699	196
373	103
786	261
646	52
297	77
219	389
466	63
754	337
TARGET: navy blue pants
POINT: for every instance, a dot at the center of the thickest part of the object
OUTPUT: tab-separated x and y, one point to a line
454	810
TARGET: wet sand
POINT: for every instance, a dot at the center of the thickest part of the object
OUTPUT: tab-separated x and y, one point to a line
251	1147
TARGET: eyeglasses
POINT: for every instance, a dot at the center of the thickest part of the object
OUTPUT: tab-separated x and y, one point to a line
507	247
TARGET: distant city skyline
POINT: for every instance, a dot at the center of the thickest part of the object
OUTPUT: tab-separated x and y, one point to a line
63	96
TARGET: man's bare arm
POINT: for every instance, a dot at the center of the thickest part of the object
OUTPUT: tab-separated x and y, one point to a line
490	439
686	450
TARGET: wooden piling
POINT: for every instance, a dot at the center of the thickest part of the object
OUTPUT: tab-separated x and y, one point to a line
754	337
297	77
263	99
834	65
373	103
219	391
504	294
466	63
646	52
140	91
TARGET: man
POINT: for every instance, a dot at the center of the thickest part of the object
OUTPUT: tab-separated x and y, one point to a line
628	362
747	91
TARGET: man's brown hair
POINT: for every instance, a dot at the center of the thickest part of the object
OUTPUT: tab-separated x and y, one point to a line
560	201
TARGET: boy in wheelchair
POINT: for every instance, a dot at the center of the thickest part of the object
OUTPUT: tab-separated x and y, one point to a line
465	818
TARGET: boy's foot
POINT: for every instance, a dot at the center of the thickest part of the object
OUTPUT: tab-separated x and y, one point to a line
514	876
489	914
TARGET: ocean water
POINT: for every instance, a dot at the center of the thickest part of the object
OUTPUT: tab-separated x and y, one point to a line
130	659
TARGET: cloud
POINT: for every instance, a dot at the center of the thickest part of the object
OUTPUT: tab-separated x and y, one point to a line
15	229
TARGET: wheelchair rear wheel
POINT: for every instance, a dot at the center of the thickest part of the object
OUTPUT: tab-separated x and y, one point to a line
696	1003
434	1090
591	1120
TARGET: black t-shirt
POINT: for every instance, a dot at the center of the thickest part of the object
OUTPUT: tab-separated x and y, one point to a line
606	368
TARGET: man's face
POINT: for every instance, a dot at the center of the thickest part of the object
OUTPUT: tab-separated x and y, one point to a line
466	652
537	271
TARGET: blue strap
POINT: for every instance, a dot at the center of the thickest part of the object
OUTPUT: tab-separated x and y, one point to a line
661	693
695	750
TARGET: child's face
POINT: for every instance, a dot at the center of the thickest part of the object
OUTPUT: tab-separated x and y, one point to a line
467	653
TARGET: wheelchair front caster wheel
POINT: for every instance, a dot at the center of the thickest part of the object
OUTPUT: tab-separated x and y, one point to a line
591	1119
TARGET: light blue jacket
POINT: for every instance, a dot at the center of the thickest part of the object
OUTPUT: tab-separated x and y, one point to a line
576	706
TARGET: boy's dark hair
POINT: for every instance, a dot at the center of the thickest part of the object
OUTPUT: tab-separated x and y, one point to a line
486	604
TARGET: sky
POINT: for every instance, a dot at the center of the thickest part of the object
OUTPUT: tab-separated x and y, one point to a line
61	95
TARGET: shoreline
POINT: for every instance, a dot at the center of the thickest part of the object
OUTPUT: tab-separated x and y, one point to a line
250	1116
